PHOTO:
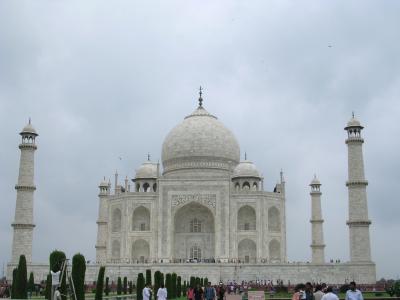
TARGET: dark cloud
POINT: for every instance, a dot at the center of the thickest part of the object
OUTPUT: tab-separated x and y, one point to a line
102	81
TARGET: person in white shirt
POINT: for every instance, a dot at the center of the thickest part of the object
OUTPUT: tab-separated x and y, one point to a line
55	282
329	294
146	292
162	293
318	294
353	293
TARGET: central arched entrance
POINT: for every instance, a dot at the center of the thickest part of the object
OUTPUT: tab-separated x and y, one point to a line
194	233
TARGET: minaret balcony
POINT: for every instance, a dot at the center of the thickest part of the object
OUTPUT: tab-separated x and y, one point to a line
356	182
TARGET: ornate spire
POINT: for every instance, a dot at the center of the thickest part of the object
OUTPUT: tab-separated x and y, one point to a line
352	113
245	155
148	156
200	98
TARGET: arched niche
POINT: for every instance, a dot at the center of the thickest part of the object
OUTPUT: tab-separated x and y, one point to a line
116	220
194	227
140	251
246	218
141	219
247	251
274	251
274	219
116	249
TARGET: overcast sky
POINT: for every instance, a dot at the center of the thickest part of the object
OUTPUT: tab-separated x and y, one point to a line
109	79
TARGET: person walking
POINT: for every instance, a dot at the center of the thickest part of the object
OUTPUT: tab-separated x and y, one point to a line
146	292
162	293
198	293
209	293
329	295
309	295
318	294
190	293
353	293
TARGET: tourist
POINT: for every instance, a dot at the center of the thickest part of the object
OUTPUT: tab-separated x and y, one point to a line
221	292
318	292
146	292
329	294
198	293
162	293
209	293
190	293
308	292
299	292
353	293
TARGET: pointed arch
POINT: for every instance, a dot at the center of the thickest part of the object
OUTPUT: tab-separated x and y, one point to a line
140	251
246	218
247	251
274	219
141	219
116	220
116	249
274	251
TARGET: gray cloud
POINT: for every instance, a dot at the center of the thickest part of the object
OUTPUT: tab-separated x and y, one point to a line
102	81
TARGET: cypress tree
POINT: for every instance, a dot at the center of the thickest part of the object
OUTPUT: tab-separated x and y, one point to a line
139	286
107	288
192	282
201	281
198	282
56	260
205	281
173	284
178	287
31	283
168	284
157	281
14	292
130	284
148	276
100	284
119	286
125	289
78	275
22	279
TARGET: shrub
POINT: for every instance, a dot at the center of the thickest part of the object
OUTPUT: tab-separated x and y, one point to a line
125	288
78	275
47	293
100	284
119	286
168	284
31	283
14	292
56	259
21	285
107	288
139	286
148	276
173	285
192	281
178	287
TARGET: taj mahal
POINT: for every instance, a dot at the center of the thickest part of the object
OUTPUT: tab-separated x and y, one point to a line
203	211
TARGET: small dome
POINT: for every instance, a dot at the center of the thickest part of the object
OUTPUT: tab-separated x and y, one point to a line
245	169
315	181
147	170
29	129
353	123
103	183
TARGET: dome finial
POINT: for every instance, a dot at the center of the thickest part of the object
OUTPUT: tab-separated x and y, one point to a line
148	156
200	98
245	155
352	113
29	120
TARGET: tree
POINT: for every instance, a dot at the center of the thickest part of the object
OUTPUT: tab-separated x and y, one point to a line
47	292
206	281
178	287
14	292
31	283
198	282
57	258
148	276
173	285
119	286
157	281
107	288
139	286
78	275
21	284
125	289
130	284
192	281
100	284
168	285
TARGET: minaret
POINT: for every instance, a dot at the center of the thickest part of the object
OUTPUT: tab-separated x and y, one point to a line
102	223
317	233
23	222
360	249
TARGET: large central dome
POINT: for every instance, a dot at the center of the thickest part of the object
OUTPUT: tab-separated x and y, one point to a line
200	142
